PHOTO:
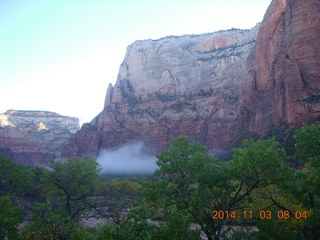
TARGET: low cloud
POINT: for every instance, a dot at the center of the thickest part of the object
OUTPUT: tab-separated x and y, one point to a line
130	159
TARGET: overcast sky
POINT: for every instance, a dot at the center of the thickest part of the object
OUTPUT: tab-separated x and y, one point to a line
60	55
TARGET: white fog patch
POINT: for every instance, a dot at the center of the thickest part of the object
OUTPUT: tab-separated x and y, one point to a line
130	159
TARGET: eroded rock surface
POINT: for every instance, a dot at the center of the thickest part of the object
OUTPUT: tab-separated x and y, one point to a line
188	85
35	137
284	67
210	87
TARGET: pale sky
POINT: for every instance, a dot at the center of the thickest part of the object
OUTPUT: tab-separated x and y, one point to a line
60	55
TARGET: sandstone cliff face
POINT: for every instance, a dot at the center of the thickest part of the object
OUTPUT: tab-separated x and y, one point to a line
35	137
284	67
188	85
210	86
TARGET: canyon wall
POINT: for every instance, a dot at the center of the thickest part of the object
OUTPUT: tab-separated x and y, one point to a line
213	87
35	137
188	85
284	67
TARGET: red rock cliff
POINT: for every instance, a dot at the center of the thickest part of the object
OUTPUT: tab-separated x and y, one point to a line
284	67
209	88
188	85
35	137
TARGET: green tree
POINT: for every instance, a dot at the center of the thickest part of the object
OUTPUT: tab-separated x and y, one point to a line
176	184
256	165
134	227
47	223
191	181
137	227
177	226
39	189
307	145
297	192
10	219
73	182
14	178
262	162
304	194
259	163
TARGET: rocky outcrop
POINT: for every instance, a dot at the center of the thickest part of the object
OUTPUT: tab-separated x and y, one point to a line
212	87
35	137
188	85
284	67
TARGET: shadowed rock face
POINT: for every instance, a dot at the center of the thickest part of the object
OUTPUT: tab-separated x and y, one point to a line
188	85
284	67
35	137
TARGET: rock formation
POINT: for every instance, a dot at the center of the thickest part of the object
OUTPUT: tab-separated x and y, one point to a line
210	87
35	137
188	85
284	67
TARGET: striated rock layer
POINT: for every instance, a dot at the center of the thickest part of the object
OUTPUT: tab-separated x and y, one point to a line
284	67
189	85
35	137
211	87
